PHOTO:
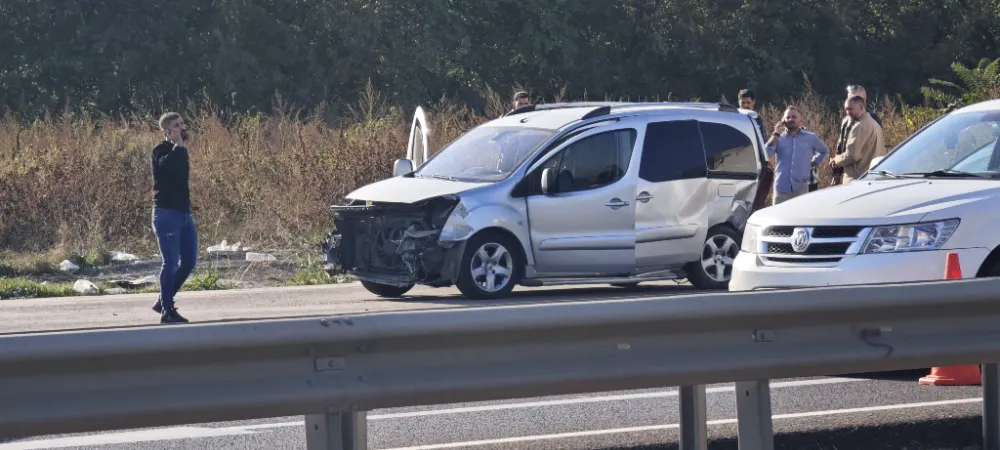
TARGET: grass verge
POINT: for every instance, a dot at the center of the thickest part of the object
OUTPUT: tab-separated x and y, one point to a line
21	287
314	274
26	288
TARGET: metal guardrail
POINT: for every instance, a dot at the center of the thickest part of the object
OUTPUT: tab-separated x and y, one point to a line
333	369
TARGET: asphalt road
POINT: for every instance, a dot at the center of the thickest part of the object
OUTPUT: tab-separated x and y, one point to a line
846	412
63	313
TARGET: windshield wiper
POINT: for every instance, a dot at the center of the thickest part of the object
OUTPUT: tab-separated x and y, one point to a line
444	177
947	172
885	173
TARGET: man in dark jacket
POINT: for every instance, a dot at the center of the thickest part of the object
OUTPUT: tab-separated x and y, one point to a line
172	223
748	100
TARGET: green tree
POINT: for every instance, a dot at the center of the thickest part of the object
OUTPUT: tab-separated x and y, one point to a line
982	82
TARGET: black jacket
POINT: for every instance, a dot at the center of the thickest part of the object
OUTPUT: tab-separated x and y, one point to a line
171	171
763	129
874	115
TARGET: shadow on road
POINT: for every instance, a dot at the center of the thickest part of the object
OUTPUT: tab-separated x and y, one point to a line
554	294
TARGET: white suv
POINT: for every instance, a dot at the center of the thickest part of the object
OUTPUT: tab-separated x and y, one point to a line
576	193
936	192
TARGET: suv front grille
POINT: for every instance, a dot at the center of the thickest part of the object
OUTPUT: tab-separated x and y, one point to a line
823	245
813	249
818	232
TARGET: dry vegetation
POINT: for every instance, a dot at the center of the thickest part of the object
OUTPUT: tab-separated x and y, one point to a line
76	183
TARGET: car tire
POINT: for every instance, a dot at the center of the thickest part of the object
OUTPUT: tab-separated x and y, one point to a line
385	290
722	244
504	264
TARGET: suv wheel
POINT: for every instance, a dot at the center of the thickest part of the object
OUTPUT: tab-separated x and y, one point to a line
490	267
715	267
385	290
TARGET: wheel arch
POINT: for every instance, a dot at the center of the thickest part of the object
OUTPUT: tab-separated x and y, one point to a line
452	267
729	223
505	218
990	264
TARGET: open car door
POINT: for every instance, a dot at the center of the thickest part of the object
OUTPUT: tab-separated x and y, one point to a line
416	149
765	179
765	182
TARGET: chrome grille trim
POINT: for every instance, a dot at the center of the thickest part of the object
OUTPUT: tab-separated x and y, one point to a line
827	245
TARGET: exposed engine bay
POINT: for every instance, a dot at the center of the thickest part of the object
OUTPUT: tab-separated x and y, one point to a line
394	244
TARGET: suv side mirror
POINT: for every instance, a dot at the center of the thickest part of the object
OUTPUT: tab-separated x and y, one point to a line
549	185
402	167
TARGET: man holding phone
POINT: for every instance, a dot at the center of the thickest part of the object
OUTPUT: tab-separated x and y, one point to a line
172	223
796	152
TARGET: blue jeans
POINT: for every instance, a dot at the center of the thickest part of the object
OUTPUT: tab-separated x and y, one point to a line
178	241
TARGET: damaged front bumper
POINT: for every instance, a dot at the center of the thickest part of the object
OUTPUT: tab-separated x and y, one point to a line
393	244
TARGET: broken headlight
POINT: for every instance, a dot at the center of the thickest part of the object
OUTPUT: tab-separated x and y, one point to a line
456	228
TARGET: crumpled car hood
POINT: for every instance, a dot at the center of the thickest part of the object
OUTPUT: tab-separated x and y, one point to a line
883	201
410	190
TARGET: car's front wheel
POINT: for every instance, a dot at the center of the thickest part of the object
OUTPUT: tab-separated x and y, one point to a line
385	290
491	266
714	268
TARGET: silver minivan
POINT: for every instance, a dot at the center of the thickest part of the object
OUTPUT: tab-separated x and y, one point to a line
558	194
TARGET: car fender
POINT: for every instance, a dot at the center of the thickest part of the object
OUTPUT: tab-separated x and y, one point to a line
461	227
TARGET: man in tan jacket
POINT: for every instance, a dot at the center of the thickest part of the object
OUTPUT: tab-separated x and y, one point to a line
863	142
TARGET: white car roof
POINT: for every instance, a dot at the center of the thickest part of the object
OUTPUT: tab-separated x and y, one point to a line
988	105
552	119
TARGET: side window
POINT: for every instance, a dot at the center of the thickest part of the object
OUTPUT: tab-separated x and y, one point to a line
594	161
672	151
728	150
589	163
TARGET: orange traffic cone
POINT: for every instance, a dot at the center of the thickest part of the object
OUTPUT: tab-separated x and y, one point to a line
967	375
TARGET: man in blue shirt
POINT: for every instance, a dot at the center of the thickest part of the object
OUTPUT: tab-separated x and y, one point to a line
798	151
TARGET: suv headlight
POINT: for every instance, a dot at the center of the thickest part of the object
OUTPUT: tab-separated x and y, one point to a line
749	244
909	237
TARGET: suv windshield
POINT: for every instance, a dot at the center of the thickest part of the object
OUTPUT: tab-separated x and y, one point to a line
485	154
958	145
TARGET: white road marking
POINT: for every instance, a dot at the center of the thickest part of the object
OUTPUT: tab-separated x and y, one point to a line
566	401
601	398
175	433
157	434
579	434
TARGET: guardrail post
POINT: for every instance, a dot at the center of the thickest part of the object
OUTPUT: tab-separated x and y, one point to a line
694	426
337	431
991	406
753	415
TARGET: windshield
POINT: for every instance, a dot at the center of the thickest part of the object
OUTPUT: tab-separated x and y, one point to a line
485	154
958	145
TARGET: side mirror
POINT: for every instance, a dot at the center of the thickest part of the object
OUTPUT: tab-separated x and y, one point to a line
549	185
402	167
875	162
